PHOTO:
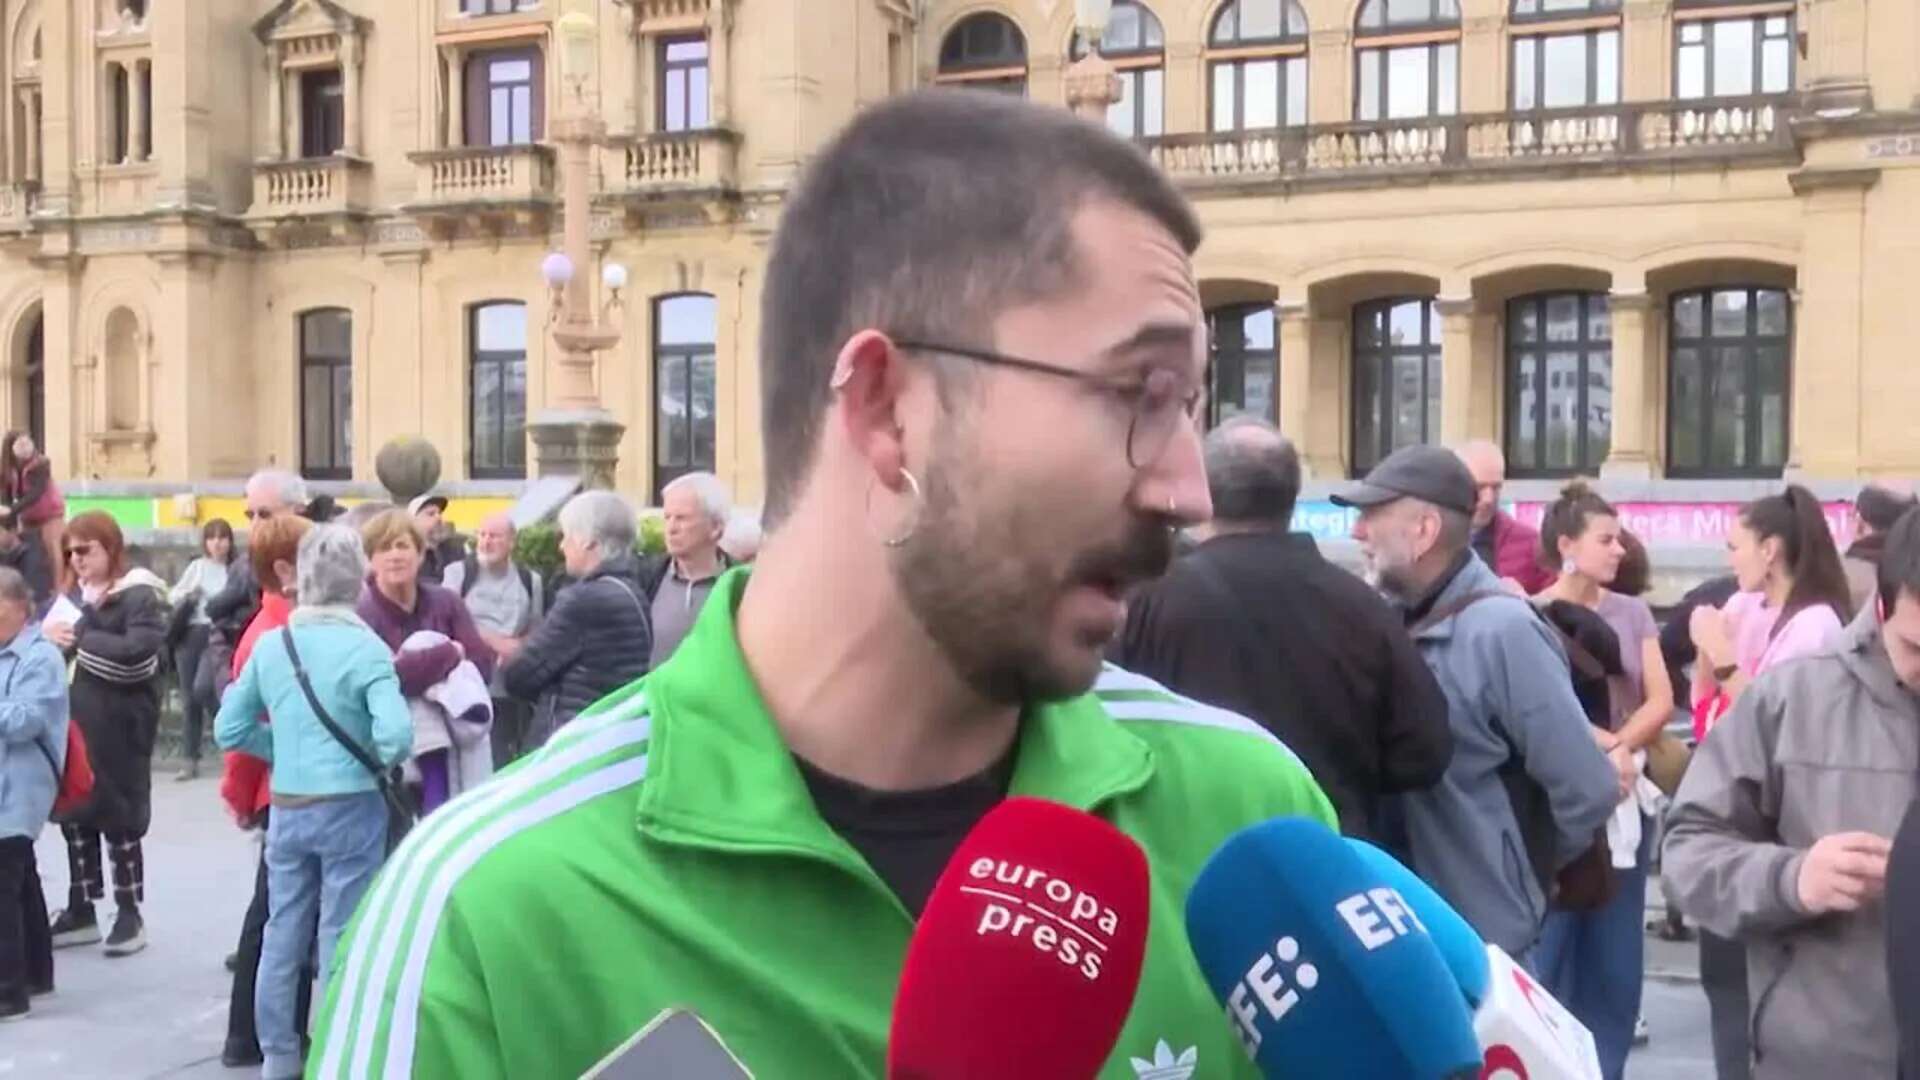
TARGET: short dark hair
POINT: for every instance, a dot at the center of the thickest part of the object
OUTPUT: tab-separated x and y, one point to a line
926	217
1252	481
1900	563
1882	509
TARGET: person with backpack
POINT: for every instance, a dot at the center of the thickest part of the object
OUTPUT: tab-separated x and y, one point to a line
1528	786
33	755
506	601
1594	960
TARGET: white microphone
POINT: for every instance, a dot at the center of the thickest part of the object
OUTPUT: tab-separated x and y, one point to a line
1524	1033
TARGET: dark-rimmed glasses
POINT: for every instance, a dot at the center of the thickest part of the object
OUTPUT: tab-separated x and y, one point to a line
78	549
1156	401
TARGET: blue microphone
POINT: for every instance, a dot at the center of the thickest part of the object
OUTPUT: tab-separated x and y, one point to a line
1323	968
1459	944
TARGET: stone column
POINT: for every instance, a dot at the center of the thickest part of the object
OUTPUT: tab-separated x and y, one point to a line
1295	341
1456	368
276	107
1186	90
32	134
1825	396
1646	51
139	139
456	133
1483	70
720	70
1631	455
1330	67
1837	64
350	93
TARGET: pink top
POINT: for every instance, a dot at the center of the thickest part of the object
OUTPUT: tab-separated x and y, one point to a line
1757	649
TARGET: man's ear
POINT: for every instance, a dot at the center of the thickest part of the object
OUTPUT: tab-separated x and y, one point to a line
868	380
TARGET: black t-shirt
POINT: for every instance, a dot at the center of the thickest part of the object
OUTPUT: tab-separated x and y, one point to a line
908	836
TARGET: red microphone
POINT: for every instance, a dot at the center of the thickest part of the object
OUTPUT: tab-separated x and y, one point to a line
1028	954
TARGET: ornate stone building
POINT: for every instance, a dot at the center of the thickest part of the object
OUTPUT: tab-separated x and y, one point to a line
1667	241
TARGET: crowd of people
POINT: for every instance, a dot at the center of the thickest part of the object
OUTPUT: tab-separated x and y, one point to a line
366	665
1077	596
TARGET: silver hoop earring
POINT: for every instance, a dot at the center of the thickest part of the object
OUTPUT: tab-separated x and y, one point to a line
1172	510
913	523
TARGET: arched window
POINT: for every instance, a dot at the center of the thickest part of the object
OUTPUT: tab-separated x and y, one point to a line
1408	57
497	390
1257	63
1396	378
1559	384
34	371
1566	54
326	394
123	371
684	387
1245	363
1136	46
985	52
1723	50
1728	382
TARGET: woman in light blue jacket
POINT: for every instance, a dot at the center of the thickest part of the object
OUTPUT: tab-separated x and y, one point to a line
33	748
327	834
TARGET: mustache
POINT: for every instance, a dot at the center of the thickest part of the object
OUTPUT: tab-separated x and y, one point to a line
1141	555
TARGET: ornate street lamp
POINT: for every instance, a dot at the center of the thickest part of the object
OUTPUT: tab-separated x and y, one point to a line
1092	85
577	436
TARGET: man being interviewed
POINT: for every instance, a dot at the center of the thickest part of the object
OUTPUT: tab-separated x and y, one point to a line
980	433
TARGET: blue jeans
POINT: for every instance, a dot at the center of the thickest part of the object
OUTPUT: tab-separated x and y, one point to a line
1593	962
320	856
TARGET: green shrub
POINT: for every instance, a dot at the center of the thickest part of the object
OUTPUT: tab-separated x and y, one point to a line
538	546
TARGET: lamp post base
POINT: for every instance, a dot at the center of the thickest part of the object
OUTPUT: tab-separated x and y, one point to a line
577	442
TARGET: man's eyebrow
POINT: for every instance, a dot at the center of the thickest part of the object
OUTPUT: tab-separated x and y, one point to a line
1154	335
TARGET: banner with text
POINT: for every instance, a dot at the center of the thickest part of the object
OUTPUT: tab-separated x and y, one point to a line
1655	523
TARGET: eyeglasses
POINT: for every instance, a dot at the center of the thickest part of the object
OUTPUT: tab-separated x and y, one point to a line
256	515
1157	402
81	549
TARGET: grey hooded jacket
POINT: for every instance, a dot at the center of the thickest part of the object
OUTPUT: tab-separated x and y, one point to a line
1822	745
1509	698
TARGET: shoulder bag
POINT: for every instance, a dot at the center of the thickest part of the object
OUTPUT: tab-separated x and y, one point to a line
401	811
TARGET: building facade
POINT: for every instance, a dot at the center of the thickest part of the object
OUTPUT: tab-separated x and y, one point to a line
1661	241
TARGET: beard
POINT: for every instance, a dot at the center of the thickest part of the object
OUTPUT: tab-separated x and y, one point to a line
985	581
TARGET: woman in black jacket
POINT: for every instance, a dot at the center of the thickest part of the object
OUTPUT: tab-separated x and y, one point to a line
598	636
116	644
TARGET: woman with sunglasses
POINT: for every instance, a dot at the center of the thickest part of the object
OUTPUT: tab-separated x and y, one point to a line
115	643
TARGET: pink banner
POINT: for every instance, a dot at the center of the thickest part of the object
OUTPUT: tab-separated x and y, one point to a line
1691	523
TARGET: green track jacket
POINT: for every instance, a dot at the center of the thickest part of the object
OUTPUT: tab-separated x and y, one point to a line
662	851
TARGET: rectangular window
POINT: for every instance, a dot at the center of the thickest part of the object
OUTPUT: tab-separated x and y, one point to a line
685	388
1259	94
1370	84
1296	91
1559	392
323	113
1526	94
497	391
1396	378
506	97
1409	82
1606	67
1735	57
684	76
326	395
1728	383
496	7
1261	86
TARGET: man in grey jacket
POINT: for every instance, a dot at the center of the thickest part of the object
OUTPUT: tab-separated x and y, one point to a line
1779	834
1516	723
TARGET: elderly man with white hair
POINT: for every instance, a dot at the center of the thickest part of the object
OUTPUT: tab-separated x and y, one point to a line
696	508
597	637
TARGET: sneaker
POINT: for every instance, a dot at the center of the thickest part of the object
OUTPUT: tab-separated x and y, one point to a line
190	771
129	934
1641	1035
75	926
14	1009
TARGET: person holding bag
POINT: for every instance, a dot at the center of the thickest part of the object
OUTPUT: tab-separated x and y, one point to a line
330	686
113	624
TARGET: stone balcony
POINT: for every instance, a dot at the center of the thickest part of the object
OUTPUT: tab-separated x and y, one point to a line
18	201
487	186
665	174
1492	146
329	193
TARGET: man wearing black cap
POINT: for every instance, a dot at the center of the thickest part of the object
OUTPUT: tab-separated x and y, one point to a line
445	547
1527	783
